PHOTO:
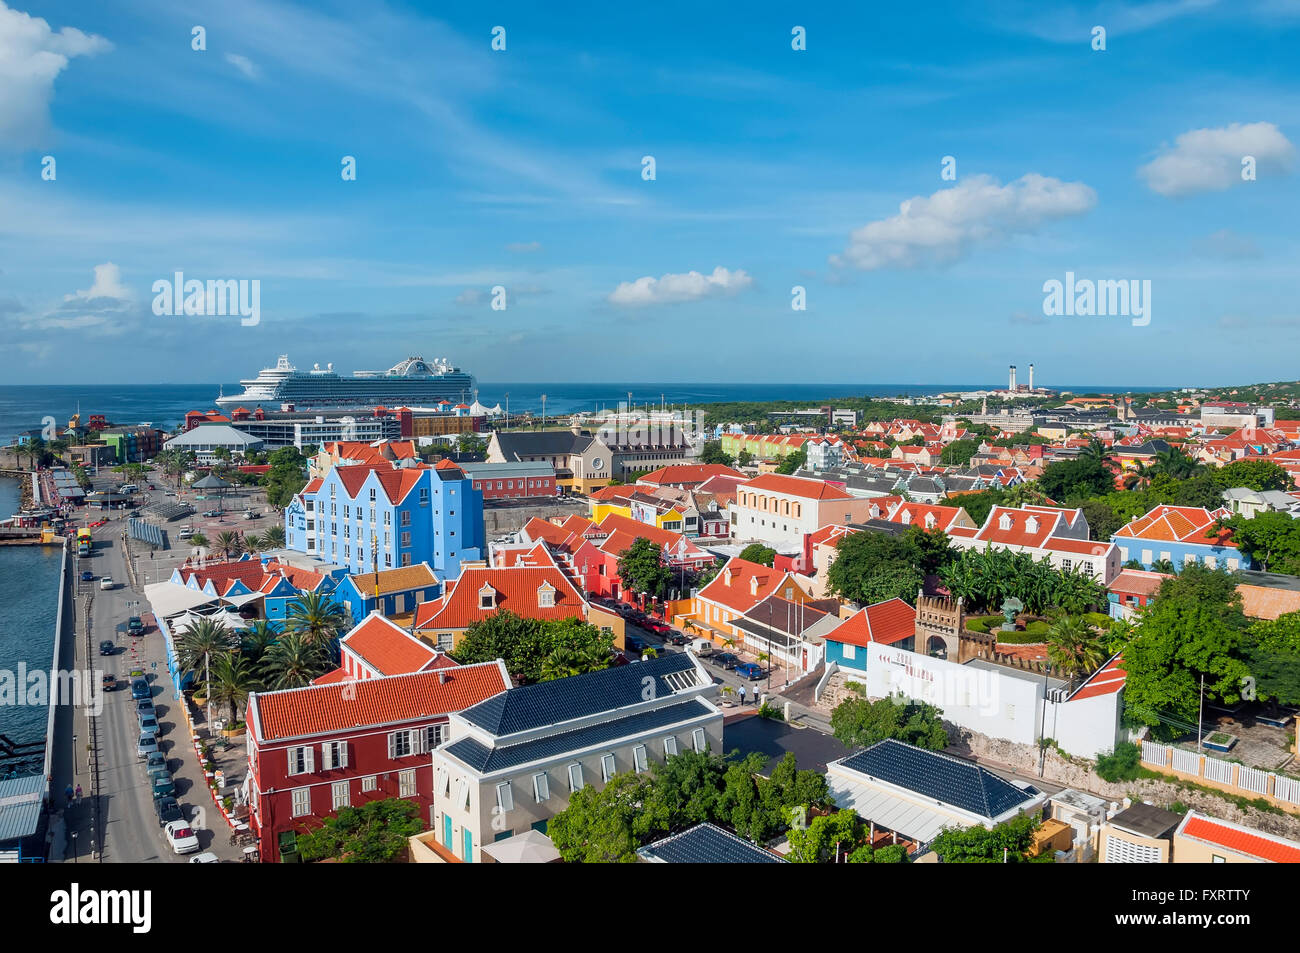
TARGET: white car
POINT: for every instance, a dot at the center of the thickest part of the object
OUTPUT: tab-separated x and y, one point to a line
182	837
207	857
106	582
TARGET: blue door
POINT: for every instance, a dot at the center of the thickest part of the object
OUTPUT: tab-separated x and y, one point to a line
469	845
446	831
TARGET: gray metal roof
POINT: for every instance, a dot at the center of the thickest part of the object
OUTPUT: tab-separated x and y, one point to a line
20	806
706	844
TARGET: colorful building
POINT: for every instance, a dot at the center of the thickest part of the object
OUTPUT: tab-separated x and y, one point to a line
1180	535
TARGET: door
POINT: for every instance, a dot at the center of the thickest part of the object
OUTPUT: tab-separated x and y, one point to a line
468	846
446	831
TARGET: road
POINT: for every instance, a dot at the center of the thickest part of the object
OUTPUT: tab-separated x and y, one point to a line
131	830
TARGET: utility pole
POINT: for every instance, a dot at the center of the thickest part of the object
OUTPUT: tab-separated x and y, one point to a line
1200	713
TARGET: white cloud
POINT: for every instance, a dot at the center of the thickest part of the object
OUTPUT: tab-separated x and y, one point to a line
688	287
31	58
244	65
105	307
107	284
524	248
1209	160
948	223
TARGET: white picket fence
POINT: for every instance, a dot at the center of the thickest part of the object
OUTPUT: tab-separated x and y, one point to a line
1253	780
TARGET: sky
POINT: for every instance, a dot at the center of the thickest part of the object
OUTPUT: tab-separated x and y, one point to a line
921	172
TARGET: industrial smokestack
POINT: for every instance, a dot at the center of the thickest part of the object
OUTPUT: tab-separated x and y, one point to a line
1012	385
1031	377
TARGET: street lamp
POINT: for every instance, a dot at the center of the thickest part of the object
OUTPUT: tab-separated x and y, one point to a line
74	847
74	754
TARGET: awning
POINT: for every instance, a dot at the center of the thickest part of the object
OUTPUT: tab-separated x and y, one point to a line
167	599
908	819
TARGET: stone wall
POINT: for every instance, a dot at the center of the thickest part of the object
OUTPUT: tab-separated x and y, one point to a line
1078	773
504	520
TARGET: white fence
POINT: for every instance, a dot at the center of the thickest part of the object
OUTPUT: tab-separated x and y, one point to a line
1227	773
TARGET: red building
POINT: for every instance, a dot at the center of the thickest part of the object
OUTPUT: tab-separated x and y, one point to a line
316	749
512	481
596	559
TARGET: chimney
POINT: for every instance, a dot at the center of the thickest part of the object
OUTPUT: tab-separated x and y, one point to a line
1031	377
1012	385
442	677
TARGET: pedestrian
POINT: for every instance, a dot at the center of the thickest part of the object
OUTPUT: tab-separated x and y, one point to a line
78	793
68	794
742	694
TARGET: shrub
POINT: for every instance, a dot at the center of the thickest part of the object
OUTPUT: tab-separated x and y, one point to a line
1122	764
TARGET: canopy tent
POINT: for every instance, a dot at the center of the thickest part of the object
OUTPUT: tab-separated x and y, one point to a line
530	847
170	598
211	482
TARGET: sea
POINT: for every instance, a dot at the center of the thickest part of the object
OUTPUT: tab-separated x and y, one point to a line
165	405
29	585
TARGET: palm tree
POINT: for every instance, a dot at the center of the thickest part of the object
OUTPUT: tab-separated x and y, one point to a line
293	661
253	543
316	618
257	639
203	639
273	538
563	662
1096	450
1176	464
199	541
1164	565
227	542
231	679
1073	647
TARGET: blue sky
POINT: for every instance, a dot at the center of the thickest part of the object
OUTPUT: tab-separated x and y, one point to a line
522	169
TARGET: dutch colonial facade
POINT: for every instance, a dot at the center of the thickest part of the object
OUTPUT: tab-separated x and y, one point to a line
315	750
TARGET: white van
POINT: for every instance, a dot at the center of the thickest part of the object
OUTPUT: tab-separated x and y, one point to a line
185	533
701	647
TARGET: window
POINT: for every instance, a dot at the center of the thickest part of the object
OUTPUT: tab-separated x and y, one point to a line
1086	567
399	744
541	787
639	759
434	736
347	512
505	797
406	539
301	801
441	782
406	783
334	754
369	784
406	517
487	598
606	767
301	760
340	795
372	495
445	641
462	793
546	597
1066	565
575	776
424	496
670	746
849	651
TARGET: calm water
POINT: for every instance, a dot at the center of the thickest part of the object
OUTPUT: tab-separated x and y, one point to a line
29	583
165	405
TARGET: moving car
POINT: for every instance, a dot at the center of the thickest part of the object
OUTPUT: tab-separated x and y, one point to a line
106	647
106	582
110	682
724	659
146	746
185	533
181	837
750	671
140	688
249	515
135	626
168	809
87	576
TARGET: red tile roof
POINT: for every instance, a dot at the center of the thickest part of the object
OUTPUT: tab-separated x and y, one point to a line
796	486
515	589
738	593
689	474
1107	680
884	623
1185	524
387	647
1235	838
367	702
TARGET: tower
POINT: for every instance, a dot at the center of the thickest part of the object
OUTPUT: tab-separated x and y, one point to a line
1031	378
1012	385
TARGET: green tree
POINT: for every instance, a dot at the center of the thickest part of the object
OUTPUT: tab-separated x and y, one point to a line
597	826
230	680
792	462
254	640
712	453
377	832
958	453
873	567
1270	540
317	618
525	645
273	538
287	476
744	459
643	569
758	553
201	640
982	845
1273	655
1256	475
859	723
294	661
1075	479
1194	628
1073	648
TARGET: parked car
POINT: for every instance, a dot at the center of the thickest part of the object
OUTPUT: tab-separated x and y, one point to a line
168	809
635	643
146	745
702	647
250	515
156	760
144	706
212	513
207	857
149	723
678	638
106	647
106	582
135	626
750	670
181	836
185	533
163	785
87	576
140	688
724	659
659	628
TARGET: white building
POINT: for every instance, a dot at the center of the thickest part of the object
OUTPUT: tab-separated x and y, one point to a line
204	440
1059	534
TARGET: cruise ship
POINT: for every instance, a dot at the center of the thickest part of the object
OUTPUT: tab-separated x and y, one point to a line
413	381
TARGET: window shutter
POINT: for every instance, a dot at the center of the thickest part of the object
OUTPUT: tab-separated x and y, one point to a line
698	737
392	745
505	797
343	755
639	758
440	782
541	787
670	746
293	761
310	751
326	756
575	776
606	767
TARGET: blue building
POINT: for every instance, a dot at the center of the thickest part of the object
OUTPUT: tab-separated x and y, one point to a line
373	517
400	591
1180	535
